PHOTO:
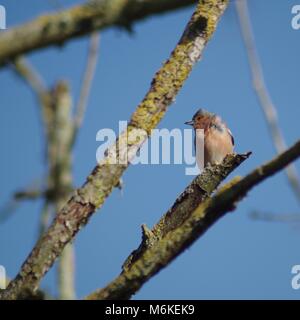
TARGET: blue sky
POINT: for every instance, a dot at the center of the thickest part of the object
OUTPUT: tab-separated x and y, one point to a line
238	257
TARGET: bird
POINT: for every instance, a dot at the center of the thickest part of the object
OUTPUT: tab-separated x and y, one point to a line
218	139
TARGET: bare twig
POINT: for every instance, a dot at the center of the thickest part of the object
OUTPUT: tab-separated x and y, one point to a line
262	92
86	82
17	197
30	75
56	4
7	209
275	217
106	175
165	250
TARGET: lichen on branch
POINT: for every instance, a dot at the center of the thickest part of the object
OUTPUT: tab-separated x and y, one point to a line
166	249
79	20
194	194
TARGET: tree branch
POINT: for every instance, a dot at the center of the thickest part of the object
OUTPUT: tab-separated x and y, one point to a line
199	190
275	217
263	94
55	29
106	175
176	241
21	195
86	83
27	73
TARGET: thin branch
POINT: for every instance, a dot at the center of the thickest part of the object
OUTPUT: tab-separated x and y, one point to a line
55	29
30	75
22	195
275	217
55	4
176	241
106	175
27	72
29	194
8	209
86	82
262	92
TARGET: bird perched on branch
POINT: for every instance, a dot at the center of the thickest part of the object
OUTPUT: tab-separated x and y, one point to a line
213	139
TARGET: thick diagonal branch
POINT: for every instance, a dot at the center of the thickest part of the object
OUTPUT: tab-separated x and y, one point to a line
55	29
176	241
194	194
106	175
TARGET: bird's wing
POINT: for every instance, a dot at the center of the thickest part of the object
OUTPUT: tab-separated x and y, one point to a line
231	135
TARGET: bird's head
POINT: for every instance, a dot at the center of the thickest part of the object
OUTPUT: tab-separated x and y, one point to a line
201	119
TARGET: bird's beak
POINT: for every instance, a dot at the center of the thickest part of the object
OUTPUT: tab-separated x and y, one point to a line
190	123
